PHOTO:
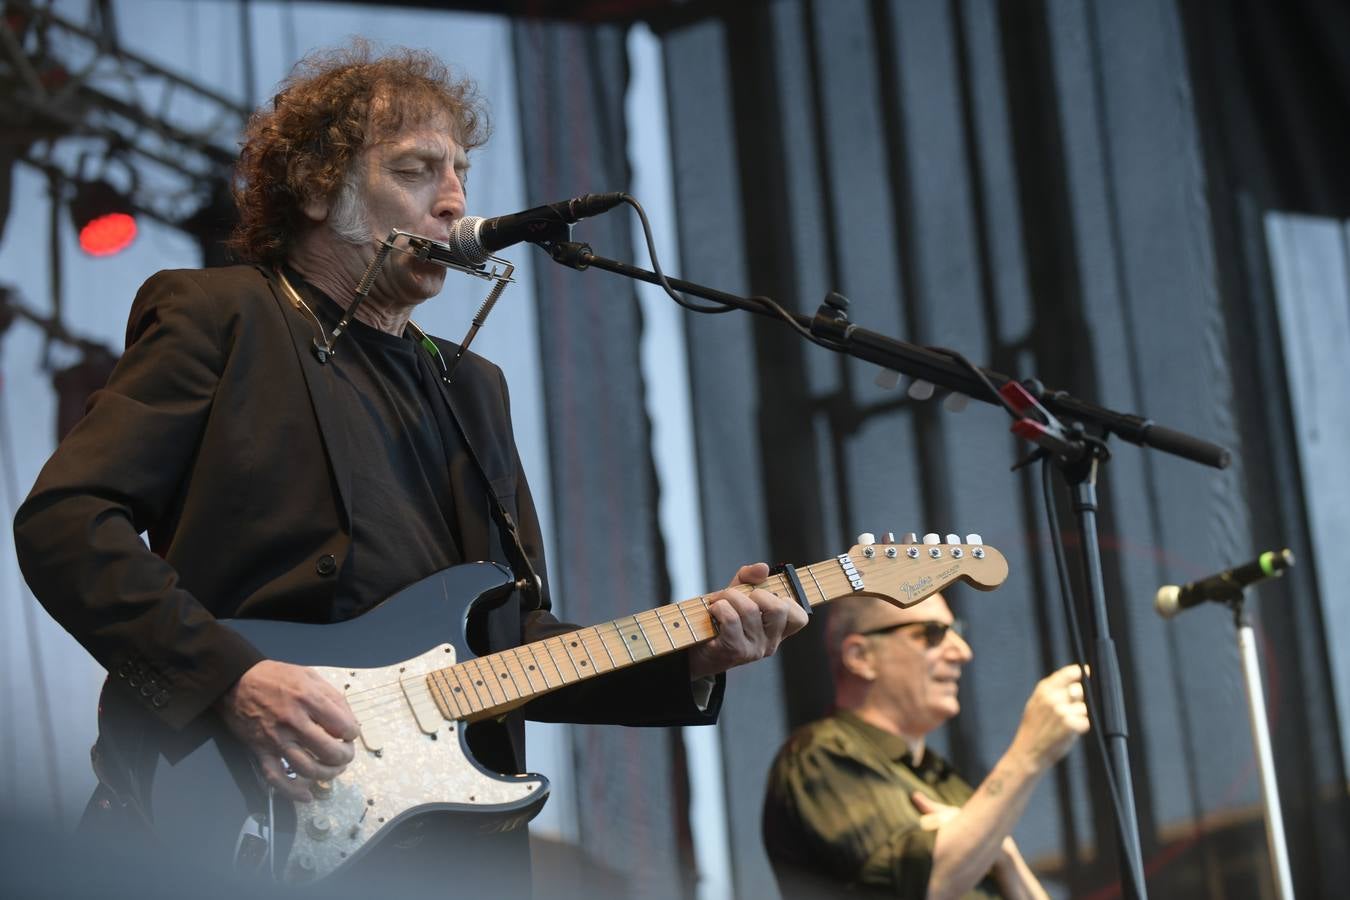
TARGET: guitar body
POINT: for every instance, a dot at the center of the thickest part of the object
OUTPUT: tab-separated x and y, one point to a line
200	793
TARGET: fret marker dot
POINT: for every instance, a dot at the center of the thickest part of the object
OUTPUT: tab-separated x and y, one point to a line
632	637
503	676
583	663
479	682
531	668
675	624
574	643
456	690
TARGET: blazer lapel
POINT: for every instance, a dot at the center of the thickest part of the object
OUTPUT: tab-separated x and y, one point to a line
319	380
470	482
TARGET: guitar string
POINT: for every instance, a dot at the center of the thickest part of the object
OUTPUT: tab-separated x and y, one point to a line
383	698
592	638
512	663
589	638
516	668
392	693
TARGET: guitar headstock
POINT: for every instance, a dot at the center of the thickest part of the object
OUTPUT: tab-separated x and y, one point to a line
906	571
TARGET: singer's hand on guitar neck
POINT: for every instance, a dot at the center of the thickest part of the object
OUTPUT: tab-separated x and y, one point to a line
750	625
287	712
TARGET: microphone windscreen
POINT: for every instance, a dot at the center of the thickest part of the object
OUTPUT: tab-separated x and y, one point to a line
1167	602
463	240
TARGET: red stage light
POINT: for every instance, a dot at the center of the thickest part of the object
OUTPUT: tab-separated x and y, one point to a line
108	234
103	218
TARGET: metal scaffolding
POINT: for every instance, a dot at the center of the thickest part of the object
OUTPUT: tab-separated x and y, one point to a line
64	81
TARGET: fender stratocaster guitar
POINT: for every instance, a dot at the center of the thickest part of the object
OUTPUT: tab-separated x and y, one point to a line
413	684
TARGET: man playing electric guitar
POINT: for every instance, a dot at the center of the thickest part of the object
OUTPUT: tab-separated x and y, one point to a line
274	484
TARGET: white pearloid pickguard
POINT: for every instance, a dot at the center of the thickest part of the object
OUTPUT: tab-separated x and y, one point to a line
408	760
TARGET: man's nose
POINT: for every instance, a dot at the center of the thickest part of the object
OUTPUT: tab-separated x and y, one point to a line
450	198
958	646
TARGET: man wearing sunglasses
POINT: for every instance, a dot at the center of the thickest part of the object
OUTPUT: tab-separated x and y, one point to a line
856	799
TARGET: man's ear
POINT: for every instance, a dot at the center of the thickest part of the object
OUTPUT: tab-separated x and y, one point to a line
856	656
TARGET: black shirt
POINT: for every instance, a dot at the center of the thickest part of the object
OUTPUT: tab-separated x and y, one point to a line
403	522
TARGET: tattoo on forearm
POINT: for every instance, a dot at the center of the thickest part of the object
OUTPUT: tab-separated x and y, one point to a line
994	785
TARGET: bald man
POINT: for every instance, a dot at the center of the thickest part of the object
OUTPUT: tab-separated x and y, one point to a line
856	800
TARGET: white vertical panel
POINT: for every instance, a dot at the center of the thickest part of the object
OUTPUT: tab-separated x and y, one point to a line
1310	264
665	375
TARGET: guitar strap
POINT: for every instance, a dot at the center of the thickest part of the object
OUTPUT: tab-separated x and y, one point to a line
528	581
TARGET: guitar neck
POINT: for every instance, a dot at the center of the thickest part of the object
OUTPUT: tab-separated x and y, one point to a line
901	574
487	686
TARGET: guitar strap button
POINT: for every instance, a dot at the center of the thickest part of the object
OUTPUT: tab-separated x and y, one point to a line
327	565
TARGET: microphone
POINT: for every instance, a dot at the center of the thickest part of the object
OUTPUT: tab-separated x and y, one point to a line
1223	587
473	239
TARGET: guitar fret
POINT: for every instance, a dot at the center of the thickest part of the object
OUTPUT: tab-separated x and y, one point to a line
470	693
460	704
497	678
554	645
632	638
623	643
515	685
443	700
570	646
483	680
600	635
563	644
547	647
673	611
537	667
810	570
589	641
665	630
524	669
712	623
693	633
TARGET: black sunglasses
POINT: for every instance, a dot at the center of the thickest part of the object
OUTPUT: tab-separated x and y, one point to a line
934	633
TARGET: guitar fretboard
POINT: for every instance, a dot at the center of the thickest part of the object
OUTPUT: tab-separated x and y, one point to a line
490	685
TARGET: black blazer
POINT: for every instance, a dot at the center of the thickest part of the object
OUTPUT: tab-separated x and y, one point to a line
219	436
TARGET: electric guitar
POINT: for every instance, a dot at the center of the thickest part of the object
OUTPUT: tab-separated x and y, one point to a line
414	688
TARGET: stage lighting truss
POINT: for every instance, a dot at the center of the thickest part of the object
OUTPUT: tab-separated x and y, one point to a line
62	81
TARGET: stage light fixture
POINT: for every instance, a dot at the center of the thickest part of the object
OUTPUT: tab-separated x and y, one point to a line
103	217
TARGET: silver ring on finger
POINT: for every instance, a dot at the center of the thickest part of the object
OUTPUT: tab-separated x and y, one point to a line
286	769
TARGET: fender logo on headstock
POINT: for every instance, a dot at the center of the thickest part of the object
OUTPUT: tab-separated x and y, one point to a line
922	587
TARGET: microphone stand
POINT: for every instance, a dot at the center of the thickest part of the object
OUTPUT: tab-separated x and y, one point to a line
1077	451
1256	712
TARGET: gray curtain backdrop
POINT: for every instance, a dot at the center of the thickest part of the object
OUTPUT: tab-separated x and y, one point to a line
609	560
1032	184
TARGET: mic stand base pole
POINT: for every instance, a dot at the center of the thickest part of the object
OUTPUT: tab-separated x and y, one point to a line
1256	709
1082	478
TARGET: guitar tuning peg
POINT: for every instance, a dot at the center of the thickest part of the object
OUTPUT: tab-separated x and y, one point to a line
932	538
887	379
867	538
910	538
953	539
920	390
888	537
955	402
974	539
